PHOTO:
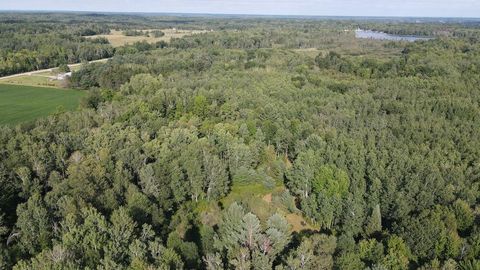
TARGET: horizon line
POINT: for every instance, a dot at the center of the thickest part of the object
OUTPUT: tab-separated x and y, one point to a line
233	14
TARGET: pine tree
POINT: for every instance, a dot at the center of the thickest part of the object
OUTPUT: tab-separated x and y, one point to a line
374	222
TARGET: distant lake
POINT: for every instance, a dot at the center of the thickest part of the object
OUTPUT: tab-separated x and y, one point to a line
369	34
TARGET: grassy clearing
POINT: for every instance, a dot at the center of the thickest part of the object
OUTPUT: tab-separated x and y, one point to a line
117	38
298	223
26	103
38	79
263	202
245	192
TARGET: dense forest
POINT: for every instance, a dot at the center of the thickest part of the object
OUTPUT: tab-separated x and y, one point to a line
27	45
31	42
267	143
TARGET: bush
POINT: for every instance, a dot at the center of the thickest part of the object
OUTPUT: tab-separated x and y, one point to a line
63	68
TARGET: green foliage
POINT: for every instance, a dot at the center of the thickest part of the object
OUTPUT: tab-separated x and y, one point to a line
134	33
374	222
187	250
246	147
349	261
469	265
315	252
64	68
200	106
33	43
33	223
397	255
464	215
246	243
303	174
331	181
371	251
157	33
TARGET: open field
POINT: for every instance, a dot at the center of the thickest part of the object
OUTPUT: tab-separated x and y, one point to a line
25	103
39	79
117	38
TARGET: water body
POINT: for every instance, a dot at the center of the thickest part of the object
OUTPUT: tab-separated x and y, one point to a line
369	34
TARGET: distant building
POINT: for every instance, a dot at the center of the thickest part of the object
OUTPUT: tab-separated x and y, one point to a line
63	76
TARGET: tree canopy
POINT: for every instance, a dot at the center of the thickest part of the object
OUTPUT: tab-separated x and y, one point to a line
263	144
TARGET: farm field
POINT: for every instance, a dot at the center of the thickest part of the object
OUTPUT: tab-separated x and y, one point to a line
25	103
117	38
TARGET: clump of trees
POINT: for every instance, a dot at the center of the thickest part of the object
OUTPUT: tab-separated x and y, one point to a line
134	33
157	33
27	45
64	68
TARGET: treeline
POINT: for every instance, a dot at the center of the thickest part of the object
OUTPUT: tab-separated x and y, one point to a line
135	33
147	33
299	37
417	59
27	46
26	53
413	29
38	41
440	28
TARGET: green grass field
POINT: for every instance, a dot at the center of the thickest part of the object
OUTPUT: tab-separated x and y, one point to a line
26	103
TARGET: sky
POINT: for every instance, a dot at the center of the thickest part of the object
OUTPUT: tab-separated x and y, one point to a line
411	8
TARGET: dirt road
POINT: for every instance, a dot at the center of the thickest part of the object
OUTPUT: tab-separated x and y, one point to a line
48	69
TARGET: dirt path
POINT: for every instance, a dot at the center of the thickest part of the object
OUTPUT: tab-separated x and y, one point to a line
48	69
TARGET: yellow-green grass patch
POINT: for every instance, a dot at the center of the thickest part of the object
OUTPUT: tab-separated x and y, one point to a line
38	79
117	38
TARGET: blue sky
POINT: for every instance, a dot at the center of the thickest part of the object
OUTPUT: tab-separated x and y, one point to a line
421	8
